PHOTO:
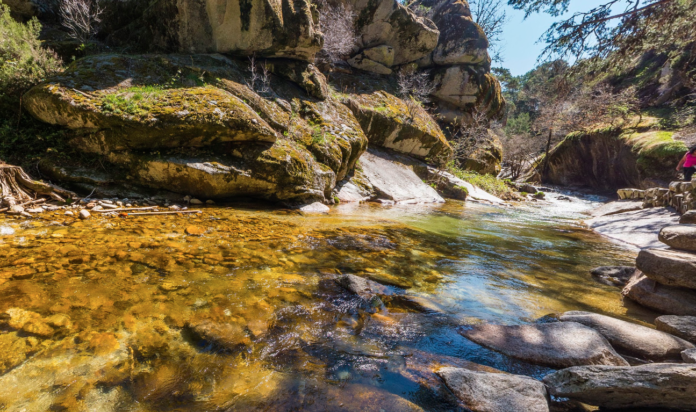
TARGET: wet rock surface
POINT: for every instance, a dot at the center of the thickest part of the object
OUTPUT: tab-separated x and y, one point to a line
613	275
557	345
682	326
495	392
630	338
647	386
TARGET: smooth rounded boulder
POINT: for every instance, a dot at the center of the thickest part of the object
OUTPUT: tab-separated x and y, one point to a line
495	392
669	300
659	385
556	345
681	237
669	267
630	338
682	326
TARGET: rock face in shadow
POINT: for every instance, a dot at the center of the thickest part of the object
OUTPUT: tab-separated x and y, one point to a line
689	356
557	345
287	28
661	385
395	181
682	326
679	237
669	300
668	267
632	339
195	125
495	392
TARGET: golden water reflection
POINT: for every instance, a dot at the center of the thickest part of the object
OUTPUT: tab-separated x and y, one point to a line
135	314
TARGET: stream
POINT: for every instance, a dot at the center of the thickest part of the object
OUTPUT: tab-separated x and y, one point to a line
136	314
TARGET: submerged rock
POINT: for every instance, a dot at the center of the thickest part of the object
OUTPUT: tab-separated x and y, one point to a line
669	267
613	275
495	392
679	237
661	385
557	345
630	338
229	336
682	326
666	299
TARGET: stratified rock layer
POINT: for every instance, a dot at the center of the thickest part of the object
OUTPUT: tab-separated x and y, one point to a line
665	299
682	326
679	237
661	385
668	267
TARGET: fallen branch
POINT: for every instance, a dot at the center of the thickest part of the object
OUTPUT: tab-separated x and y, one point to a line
124	210
17	188
165	213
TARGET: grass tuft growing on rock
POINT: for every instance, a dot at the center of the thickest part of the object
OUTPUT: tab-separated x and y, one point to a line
489	183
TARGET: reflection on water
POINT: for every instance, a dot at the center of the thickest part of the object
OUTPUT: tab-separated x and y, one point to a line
134	314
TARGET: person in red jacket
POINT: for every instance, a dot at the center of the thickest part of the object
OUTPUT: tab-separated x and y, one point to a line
688	162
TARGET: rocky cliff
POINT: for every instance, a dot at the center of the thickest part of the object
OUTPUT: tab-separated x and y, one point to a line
613	158
205	121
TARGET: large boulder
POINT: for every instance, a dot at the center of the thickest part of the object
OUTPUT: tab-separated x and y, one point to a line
495	392
388	23
390	123
197	125
557	345
665	299
661	385
264	28
393	181
461	40
630	338
682	326
679	237
669	267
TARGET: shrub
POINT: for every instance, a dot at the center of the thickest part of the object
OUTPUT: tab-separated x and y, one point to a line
23	62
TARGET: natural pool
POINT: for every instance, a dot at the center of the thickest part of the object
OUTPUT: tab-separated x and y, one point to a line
134	314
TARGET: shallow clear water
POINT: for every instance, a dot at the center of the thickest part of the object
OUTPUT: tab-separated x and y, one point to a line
134	314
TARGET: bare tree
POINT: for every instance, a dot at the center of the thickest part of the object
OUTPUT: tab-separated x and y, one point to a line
81	18
337	23
468	134
415	89
490	15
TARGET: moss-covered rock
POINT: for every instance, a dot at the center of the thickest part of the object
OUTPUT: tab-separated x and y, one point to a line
192	124
612	158
388	122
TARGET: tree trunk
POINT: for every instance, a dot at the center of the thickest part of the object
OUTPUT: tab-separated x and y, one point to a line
17	188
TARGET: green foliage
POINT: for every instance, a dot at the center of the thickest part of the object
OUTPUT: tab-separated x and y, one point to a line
23	62
24	141
489	183
135	100
518	125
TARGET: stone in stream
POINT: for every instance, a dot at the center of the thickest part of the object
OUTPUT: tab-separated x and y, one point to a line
228	336
495	392
366	289
316	207
689	356
630	338
682	326
688	218
668	267
84	214
613	275
657	385
557	345
666	299
679	237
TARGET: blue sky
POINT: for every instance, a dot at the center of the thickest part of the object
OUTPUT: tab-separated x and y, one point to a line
520	47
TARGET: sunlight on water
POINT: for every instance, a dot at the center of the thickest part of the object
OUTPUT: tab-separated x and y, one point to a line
135	314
